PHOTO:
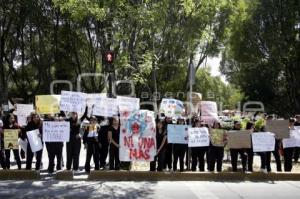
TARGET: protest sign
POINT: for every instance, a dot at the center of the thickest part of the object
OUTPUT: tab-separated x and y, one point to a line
23	144
171	107
198	137
106	107
11	137
34	140
47	104
263	141
279	127
23	110
137	136
209	112
128	103
91	100
56	131
239	139
177	134
217	137
293	140
73	101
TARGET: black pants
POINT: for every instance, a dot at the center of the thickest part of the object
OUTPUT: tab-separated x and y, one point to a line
73	153
92	150
250	155
198	154
114	161
296	154
54	150
168	156
262	160
2	158
178	153
103	154
288	159
16	155
29	157
234	158
160	158
277	159
216	155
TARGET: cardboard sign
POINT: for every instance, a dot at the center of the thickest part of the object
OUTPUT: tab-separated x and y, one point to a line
279	127
56	131
239	139
137	136
106	107
23	110
263	141
177	134
34	140
128	103
47	104
73	101
198	137
171	107
209	112
293	140
11	137
217	137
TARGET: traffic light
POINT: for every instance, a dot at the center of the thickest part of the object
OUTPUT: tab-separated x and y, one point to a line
108	61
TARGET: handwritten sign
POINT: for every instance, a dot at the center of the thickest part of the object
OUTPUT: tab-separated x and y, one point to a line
263	142
137	136
279	127
209	112
91	101
198	137
217	137
171	107
293	140
73	101
239	139
11	137
106	107
23	110
178	134
34	140
56	131
47	104
128	103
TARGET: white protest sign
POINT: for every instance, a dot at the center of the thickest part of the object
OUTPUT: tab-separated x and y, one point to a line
209	111
34	140
73	101
178	134
293	140
23	110
171	107
56	131
23	144
263	141
106	107
128	103
91	100
198	137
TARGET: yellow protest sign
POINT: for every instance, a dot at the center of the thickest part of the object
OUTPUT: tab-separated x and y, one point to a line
11	137
217	137
47	104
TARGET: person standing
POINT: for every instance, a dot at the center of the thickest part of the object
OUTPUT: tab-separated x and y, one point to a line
161	138
169	147
103	139
288	152
179	150
297	149
249	151
114	139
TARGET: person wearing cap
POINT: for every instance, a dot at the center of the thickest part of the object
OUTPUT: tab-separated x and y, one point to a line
235	152
91	143
169	148
297	149
179	150
114	140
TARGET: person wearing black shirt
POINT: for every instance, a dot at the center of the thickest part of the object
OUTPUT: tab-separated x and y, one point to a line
169	147
297	149
103	139
179	151
161	138
289	151
113	138
249	152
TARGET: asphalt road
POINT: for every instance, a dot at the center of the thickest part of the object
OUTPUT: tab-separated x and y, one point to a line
155	190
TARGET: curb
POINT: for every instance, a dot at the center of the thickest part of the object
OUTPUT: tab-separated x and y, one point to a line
19	175
64	175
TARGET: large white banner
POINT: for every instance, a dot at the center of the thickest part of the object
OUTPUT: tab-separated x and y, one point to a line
293	140
209	111
128	103
106	107
34	140
73	101
198	137
23	110
178	134
263	141
171	107
137	136
56	131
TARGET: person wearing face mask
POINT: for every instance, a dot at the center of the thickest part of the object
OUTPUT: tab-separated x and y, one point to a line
113	139
92	144
10	123
179	150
